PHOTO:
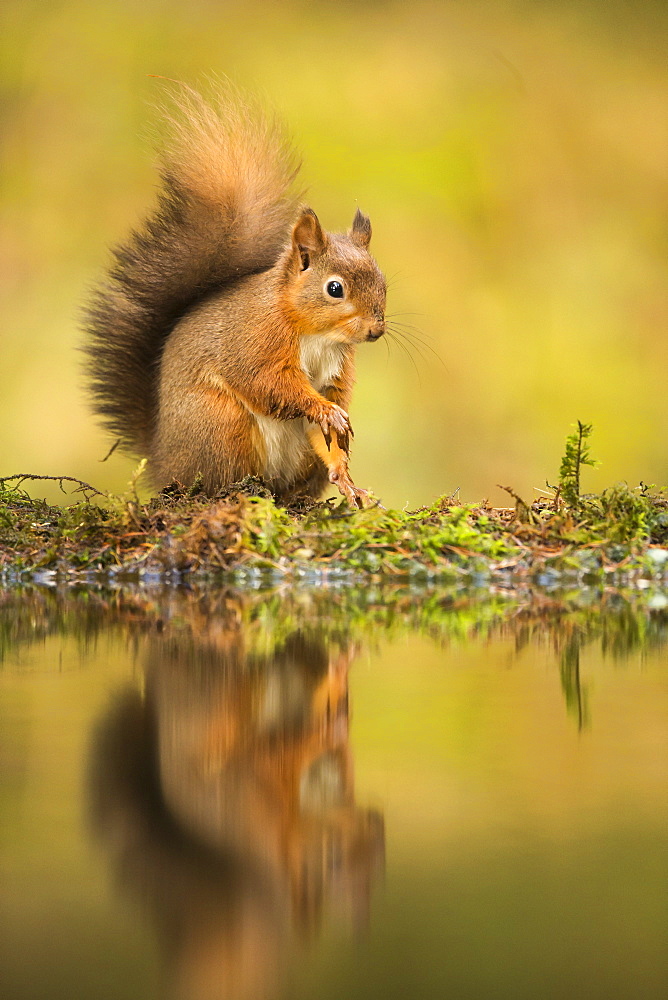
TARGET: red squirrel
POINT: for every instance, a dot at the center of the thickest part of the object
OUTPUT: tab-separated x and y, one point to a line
222	343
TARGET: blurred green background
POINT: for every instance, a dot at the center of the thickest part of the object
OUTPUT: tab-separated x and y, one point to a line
513	158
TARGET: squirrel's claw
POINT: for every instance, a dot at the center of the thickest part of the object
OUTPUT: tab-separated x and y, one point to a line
343	438
335	419
353	494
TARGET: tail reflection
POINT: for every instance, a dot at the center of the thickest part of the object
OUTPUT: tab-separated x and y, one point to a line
225	796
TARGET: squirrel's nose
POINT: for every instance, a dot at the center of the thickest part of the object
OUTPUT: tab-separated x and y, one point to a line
376	330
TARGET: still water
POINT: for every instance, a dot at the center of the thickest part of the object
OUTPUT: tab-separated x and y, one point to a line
332	794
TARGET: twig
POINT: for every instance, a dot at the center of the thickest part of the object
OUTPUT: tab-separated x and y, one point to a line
523	510
111	450
82	488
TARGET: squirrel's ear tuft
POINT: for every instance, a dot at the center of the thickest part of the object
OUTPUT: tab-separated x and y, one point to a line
360	232
307	236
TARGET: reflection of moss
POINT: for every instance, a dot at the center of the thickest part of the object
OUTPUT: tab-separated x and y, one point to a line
206	620
576	695
619	624
245	533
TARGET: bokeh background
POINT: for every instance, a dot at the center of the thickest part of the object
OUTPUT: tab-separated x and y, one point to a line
513	157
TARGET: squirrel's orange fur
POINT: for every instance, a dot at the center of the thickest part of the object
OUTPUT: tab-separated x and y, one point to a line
222	343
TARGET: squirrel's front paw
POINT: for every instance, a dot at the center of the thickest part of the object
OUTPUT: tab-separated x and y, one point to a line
336	420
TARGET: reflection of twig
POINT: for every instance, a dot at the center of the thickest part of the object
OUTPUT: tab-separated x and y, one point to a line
83	487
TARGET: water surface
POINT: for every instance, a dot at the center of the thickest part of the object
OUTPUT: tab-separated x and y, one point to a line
332	794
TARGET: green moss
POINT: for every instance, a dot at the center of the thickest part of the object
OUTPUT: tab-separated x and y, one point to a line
245	531
576	454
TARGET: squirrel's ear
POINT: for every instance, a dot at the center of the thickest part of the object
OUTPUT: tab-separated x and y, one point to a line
307	236
360	232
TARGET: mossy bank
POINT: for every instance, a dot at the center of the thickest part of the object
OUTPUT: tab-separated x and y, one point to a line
619	537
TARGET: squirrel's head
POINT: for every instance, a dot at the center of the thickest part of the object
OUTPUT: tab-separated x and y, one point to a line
331	283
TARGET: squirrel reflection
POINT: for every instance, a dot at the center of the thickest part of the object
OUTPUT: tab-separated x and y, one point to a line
225	796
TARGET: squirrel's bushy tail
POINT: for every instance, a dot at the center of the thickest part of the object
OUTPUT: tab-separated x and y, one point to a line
224	209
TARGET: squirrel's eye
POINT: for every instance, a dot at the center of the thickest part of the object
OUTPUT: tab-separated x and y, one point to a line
334	289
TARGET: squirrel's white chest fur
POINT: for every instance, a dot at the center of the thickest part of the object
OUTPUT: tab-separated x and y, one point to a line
321	359
285	441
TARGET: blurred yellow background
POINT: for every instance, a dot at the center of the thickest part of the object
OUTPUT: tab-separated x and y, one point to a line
513	158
